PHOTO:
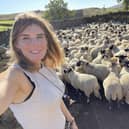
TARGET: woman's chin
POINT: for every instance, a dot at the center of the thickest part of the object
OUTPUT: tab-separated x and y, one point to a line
36	61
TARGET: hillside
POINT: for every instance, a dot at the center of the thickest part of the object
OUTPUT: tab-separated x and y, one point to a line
86	12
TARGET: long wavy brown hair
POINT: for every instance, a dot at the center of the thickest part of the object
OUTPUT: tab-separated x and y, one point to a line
54	57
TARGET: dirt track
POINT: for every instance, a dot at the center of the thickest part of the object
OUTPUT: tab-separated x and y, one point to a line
97	115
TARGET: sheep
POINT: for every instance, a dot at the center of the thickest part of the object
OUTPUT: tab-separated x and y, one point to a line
99	57
86	83
106	60
124	80
99	70
64	76
112	86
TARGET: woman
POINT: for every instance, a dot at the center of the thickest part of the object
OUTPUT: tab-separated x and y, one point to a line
31	87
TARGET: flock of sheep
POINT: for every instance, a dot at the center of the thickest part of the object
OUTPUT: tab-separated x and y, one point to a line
97	57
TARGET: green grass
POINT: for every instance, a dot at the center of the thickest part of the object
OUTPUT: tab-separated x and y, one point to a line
6	22
6	25
4	28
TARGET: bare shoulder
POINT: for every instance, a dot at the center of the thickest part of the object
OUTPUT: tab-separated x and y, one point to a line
10	84
14	73
12	76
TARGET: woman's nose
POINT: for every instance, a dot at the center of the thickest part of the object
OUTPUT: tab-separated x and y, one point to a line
33	40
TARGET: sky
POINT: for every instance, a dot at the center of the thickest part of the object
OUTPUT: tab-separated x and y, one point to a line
16	6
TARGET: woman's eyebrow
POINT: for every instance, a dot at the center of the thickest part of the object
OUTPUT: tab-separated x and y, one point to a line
41	34
24	35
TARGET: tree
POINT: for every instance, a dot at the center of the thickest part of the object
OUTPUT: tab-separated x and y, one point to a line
57	9
125	4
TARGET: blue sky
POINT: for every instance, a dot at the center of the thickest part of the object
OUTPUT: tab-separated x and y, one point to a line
15	6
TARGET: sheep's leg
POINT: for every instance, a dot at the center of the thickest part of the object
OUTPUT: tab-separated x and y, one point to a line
88	99
118	104
122	102
97	94
87	94
110	105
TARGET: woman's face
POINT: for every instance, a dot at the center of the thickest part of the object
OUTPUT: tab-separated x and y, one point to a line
32	43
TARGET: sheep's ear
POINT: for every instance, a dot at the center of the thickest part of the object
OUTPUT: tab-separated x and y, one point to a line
70	70
86	48
102	51
126	49
82	48
86	62
78	63
111	47
65	70
122	56
127	63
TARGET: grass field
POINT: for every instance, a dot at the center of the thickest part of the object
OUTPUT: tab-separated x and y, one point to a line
6	22
4	28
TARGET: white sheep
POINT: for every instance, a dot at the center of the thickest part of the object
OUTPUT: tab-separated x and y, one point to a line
99	70
85	82
124	80
112	87
111	84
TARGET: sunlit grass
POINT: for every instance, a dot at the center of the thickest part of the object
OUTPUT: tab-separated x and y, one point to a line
4	28
6	22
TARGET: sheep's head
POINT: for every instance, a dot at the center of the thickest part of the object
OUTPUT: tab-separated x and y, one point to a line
123	60
83	49
102	51
82	62
68	70
126	49
121	56
126	63
114	60
111	46
105	56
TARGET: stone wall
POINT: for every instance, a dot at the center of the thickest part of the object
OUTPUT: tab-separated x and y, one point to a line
122	17
4	38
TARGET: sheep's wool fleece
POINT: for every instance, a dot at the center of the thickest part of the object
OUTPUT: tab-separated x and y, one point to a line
42	109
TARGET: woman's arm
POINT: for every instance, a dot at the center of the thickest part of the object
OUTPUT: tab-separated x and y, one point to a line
8	89
68	115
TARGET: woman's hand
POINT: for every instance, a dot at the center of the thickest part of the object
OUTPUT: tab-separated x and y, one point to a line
74	125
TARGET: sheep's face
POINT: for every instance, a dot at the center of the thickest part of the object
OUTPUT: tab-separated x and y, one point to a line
122	60
105	56
83	49
79	63
111	47
114	60
102	51
127	64
67	70
70	70
126	49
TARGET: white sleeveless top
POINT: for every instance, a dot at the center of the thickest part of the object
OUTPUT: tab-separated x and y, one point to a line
42	110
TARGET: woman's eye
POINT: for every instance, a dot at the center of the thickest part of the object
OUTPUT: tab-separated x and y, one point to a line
24	38
40	37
